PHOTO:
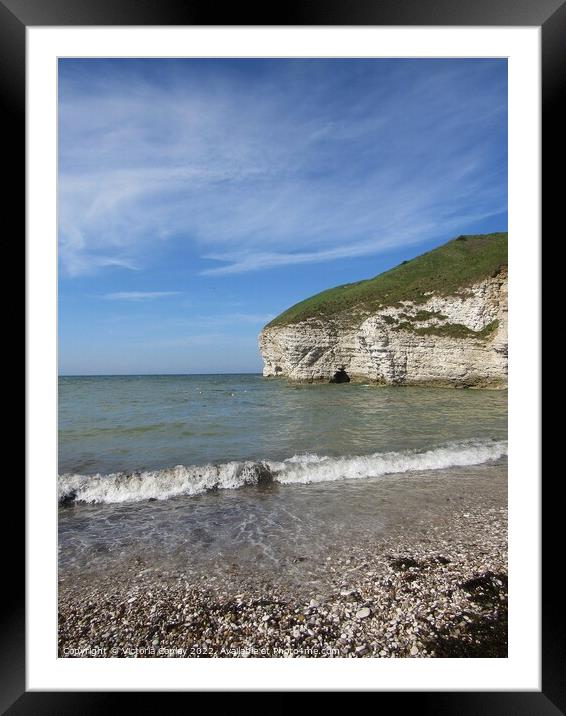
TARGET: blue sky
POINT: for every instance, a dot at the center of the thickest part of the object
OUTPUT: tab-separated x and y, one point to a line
200	198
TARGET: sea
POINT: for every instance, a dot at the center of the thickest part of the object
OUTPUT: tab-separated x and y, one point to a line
194	472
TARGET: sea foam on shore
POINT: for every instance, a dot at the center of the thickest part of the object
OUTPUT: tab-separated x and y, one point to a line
299	469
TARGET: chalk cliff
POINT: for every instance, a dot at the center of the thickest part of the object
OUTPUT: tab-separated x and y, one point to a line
440	319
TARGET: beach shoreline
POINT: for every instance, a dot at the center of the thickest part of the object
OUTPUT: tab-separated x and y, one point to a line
441	593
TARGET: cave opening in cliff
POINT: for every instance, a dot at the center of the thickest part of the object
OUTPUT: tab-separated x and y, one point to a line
340	376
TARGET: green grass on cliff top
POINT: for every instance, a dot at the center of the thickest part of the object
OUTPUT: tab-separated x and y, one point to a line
452	266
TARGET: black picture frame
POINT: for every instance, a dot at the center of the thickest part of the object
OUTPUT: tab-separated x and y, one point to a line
550	15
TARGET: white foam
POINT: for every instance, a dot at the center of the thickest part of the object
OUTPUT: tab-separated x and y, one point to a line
158	484
299	469
309	470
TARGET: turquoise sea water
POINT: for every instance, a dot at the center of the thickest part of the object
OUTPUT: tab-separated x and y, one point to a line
215	467
116	423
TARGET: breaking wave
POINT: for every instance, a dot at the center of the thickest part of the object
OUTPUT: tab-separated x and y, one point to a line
299	469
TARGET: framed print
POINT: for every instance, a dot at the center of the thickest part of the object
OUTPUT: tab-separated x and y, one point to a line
283	372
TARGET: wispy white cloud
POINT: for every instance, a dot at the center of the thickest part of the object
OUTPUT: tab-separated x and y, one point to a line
138	295
301	167
229	319
410	234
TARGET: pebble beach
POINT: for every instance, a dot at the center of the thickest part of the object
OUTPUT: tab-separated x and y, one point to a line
417	593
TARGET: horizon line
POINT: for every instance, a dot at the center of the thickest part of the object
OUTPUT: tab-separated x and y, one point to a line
143	375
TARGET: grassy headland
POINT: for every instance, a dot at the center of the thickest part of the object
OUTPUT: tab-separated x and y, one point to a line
444	270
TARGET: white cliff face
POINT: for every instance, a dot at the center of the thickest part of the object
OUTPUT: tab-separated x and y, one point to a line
457	340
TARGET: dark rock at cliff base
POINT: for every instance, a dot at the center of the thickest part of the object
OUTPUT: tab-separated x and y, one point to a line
340	377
